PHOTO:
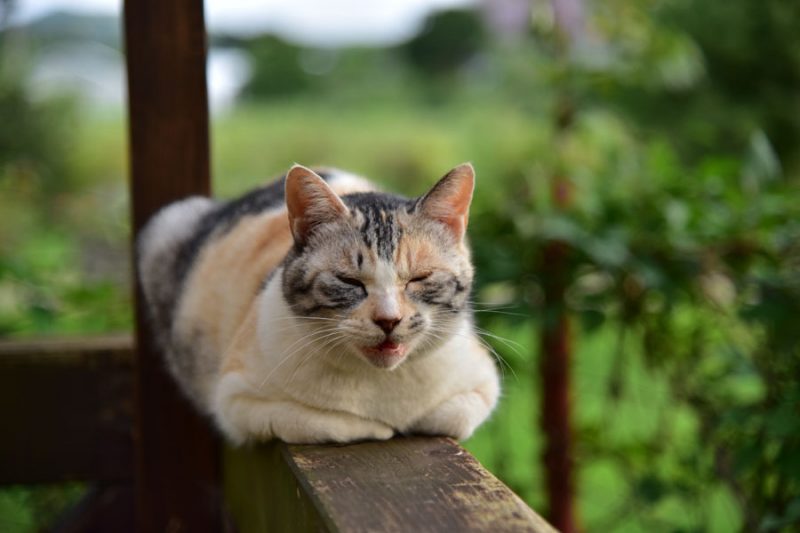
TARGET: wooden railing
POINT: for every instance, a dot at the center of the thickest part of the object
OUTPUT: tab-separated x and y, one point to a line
68	413
67	410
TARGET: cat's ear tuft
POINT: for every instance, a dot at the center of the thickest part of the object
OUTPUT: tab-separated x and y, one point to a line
448	201
310	202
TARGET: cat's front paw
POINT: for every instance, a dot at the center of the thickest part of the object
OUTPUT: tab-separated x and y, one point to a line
457	417
364	430
336	428
244	417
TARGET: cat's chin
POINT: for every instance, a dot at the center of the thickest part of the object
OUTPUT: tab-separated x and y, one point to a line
386	355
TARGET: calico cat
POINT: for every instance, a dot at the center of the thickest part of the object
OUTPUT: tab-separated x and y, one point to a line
317	309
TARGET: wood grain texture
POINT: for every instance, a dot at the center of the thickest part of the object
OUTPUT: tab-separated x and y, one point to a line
262	493
177	452
67	409
407	484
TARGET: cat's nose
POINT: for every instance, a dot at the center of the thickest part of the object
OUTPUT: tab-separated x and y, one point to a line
387	324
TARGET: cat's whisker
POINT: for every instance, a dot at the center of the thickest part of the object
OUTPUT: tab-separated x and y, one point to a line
314	332
289	356
310	339
299	318
514	345
330	344
492	305
479	307
498	312
426	343
500	359
302	362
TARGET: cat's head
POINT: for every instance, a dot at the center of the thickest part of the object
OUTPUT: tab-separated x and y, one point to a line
377	276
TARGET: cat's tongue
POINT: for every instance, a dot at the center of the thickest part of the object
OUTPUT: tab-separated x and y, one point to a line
386	354
388	347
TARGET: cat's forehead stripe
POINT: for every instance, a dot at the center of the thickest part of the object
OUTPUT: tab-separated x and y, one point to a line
380	230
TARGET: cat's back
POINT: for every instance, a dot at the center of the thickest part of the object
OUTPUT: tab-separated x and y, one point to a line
203	262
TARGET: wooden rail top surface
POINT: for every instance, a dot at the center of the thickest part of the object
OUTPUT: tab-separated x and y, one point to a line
70	402
419	484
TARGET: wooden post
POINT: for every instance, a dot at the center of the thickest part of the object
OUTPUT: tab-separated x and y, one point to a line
177	454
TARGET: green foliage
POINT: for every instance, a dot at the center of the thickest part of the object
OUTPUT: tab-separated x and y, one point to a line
35	149
276	68
694	273
447	42
27	510
753	61
683	241
53	211
44	290
284	71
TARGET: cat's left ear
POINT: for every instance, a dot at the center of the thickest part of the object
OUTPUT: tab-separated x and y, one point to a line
310	202
448	201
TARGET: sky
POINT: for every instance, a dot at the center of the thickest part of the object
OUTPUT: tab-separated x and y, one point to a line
313	22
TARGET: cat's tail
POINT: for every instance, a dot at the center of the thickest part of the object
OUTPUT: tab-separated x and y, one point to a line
161	249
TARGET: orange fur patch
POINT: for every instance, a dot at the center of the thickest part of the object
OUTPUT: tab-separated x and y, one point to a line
229	272
414	255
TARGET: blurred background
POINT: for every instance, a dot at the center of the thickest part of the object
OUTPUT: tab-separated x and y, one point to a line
637	204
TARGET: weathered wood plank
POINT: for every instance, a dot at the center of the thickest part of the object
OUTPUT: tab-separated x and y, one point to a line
177	452
405	484
67	410
262	493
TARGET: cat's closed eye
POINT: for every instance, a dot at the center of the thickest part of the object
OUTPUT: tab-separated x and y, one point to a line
350	281
420	277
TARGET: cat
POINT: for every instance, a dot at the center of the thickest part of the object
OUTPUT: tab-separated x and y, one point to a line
318	309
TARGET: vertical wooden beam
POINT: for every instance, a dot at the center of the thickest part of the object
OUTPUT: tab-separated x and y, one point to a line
177	454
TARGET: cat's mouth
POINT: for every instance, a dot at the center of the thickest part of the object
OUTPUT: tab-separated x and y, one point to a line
387	354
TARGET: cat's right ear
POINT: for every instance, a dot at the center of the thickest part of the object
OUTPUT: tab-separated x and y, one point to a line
448	201
310	202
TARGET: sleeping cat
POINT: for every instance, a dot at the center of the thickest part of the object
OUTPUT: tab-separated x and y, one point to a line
317	309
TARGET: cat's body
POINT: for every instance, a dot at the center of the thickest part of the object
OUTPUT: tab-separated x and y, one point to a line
345	320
